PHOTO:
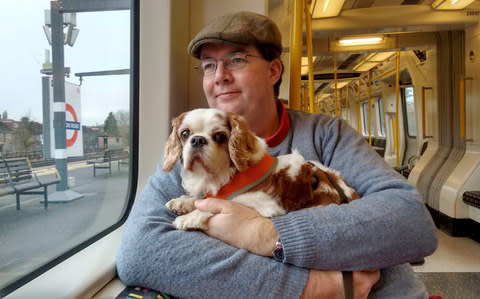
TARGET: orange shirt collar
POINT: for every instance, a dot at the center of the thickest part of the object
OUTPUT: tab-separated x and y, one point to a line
283	127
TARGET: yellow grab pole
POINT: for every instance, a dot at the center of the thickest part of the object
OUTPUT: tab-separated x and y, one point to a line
346	103
304	98
335	82
394	135
397	96
358	109
424	130
370	107
308	23
296	53
340	103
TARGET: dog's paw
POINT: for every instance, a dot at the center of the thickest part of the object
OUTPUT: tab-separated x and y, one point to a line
181	205
196	220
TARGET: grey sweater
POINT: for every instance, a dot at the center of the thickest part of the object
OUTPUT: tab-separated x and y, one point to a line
384	229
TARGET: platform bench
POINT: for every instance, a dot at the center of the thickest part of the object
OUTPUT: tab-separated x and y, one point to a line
17	177
105	160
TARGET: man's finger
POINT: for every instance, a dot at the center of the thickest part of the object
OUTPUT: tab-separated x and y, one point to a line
212	205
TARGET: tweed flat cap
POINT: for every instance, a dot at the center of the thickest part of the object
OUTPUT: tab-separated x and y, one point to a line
239	28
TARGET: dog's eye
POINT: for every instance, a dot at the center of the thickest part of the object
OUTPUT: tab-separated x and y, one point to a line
185	133
314	182
220	137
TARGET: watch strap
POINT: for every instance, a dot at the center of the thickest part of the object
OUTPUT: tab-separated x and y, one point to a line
348	284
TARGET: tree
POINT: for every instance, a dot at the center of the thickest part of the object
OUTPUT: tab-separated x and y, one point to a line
110	125
123	122
24	135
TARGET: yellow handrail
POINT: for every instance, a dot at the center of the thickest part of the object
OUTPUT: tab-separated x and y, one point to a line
308	23
369	107
340	103
335	82
296	53
397	93
346	103
358	109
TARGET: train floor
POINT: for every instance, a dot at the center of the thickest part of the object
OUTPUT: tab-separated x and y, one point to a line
453	271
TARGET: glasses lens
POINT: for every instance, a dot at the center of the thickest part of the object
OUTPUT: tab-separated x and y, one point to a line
208	66
235	61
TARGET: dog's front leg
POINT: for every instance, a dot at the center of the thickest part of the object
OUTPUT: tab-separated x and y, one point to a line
193	221
181	205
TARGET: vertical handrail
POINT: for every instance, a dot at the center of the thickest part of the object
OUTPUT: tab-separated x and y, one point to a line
340	103
335	82
346	103
308	24
358	108
296	53
370	107
394	135
424	124
397	99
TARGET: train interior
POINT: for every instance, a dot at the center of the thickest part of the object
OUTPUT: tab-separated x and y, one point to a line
401	72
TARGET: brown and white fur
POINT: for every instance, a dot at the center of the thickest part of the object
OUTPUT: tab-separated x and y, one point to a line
214	145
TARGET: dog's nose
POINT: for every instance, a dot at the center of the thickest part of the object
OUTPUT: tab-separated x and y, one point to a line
198	141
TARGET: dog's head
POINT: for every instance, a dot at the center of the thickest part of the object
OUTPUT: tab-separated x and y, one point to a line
210	140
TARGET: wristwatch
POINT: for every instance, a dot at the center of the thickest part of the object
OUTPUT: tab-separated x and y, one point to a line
278	251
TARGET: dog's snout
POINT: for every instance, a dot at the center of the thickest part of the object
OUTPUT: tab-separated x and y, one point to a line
198	141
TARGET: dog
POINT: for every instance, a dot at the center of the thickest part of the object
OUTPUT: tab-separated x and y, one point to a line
222	158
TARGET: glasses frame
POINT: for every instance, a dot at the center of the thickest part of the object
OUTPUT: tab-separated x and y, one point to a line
227	62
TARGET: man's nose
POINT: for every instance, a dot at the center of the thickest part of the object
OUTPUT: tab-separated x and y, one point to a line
198	141
222	74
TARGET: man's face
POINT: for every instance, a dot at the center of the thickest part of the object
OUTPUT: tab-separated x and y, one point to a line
247	91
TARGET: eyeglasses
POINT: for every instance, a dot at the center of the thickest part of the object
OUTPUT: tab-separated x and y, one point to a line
232	62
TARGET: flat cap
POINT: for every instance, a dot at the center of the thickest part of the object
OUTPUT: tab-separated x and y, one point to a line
239	28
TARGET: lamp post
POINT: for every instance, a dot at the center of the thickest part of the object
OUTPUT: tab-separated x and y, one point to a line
55	21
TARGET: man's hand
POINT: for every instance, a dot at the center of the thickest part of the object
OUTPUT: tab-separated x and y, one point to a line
239	226
329	284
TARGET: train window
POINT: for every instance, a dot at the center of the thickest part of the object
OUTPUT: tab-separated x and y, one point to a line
408	100
365	120
381	117
66	118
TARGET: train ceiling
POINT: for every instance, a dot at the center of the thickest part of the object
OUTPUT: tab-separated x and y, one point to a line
408	25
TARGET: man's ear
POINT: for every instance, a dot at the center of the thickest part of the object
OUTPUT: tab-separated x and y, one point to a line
173	147
242	143
276	69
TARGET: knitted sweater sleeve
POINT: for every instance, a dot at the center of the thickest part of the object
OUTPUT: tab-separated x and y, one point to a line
388	225
189	264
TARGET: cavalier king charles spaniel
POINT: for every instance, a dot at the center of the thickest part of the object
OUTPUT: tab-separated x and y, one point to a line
222	158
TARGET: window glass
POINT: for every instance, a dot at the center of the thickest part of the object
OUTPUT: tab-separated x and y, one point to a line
365	119
84	159
381	117
409	102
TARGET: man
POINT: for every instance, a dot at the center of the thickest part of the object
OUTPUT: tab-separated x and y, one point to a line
384	229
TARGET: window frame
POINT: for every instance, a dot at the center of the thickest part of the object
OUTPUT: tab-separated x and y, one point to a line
133	169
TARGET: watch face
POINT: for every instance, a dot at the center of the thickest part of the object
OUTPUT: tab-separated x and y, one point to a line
278	254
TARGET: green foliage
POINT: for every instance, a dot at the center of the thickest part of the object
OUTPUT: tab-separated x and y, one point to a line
110	126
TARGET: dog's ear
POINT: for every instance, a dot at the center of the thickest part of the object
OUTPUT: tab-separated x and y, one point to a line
243	144
173	147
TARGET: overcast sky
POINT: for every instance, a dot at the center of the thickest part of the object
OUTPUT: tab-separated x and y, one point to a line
102	44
